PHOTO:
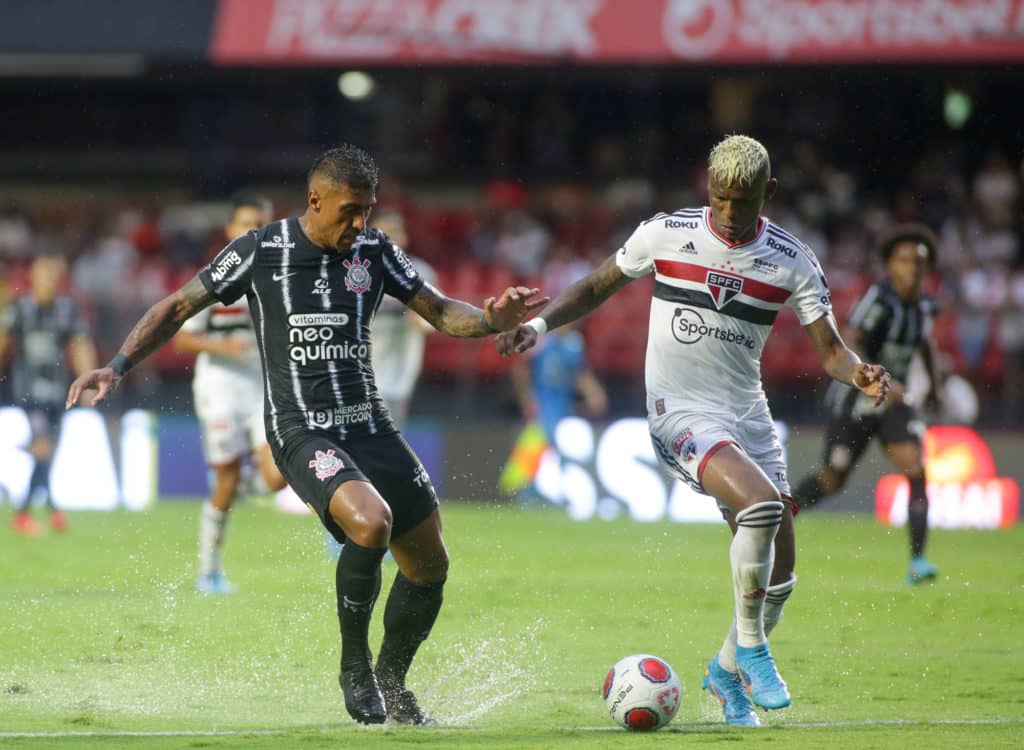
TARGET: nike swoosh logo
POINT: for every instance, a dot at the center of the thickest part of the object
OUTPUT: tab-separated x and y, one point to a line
282	276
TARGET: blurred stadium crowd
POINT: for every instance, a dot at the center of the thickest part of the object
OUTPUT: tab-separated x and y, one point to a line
521	175
126	253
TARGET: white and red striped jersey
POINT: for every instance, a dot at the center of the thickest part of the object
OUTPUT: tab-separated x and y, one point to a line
223	321
714	305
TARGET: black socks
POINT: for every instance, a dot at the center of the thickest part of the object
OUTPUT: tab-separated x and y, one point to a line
408	617
917	515
358	582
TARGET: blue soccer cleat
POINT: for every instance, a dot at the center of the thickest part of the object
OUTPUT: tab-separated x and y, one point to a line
213	583
757	670
728	688
920	570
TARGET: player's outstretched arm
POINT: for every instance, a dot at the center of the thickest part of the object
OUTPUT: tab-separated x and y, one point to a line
843	364
458	318
576	301
155	328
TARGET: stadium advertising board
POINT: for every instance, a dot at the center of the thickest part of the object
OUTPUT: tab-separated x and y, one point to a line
614	31
963	489
84	474
614	472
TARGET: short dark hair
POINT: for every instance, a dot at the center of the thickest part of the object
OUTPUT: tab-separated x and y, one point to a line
918	233
345	165
248	199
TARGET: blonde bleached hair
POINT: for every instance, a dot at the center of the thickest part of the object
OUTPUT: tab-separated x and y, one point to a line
739	160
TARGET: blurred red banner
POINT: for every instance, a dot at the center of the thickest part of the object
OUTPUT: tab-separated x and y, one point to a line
402	32
963	489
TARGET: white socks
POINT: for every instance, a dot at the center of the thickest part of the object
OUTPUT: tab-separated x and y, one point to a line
752	553
773	604
211	537
775	601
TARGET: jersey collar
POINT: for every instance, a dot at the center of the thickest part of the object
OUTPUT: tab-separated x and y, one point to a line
761	223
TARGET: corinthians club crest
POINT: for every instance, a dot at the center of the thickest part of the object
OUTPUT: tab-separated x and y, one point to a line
357	280
326	464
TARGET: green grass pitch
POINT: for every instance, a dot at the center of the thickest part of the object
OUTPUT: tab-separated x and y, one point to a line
104	644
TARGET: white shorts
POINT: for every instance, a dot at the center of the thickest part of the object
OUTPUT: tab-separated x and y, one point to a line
231	419
685	441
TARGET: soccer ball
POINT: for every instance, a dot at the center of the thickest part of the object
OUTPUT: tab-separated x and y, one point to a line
642	692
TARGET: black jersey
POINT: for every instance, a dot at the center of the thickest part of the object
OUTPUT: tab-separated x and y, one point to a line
312	308
40	374
892	331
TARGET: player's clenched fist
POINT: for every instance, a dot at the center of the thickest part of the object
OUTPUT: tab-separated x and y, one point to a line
519	340
873	380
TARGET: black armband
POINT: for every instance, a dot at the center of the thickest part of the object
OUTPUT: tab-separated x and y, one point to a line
487	326
120	364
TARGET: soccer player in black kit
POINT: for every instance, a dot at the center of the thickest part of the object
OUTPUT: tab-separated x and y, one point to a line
313	284
890	324
42	326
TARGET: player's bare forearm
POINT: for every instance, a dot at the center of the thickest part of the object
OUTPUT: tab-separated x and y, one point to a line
83	354
163	320
461	319
837	359
843	364
155	328
586	295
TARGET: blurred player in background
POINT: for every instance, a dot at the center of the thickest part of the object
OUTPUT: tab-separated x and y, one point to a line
890	324
399	334
48	333
722	273
313	283
548	381
228	392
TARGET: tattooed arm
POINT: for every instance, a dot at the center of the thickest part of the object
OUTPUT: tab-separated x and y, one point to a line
458	318
576	301
155	328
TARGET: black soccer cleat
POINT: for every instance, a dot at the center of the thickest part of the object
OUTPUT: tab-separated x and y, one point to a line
403	708
363	699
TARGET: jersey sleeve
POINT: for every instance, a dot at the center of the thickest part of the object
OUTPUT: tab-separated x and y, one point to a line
811	298
401	279
870	313
229	274
634	258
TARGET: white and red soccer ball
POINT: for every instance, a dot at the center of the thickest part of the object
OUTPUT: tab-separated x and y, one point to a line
642	692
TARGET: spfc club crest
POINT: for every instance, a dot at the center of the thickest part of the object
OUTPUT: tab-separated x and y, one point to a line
357	279
684	445
723	287
326	464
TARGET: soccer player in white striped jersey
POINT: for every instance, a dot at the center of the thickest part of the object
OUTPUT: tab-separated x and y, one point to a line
228	391
722	273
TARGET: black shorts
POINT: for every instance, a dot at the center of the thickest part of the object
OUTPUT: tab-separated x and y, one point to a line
848	436
315	463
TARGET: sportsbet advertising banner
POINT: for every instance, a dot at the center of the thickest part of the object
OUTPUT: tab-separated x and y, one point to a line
269	32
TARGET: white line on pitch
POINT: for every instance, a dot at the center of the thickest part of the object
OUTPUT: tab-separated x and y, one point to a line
609	728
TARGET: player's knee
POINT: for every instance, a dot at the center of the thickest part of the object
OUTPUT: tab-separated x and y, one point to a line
369	528
432	569
831	481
